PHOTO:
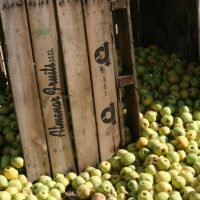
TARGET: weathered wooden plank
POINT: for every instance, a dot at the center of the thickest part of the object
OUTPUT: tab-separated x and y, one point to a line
78	80
24	87
48	69
118	4
114	32
125	39
100	46
126	80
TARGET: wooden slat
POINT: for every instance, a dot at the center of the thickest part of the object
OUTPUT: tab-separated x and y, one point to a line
48	68
78	81
125	39
24	87
118	4
119	94
100	46
126	80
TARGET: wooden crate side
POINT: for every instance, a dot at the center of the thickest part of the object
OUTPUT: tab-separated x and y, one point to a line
48	69
123	20
24	87
97	22
78	80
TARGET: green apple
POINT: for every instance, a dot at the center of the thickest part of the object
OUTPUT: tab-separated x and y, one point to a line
105	167
173	156
131	175
191	148
178	131
165	111
162	196
164	130
151	159
18	196
181	142
105	187
152	143
65	181
187	175
162	176
194	196
96	181
178	120
175	195
150	115
145	185
133	186
182	154
151	169
145	195
191	158
127	159
147	99
71	176
42	194
116	163
196	167
154	126
106	176
31	197
142	142
163	163
43	179
192	126
15	183
160	149
115	178
146	177
163	187
83	191
144	123
95	172
196	115
185	192
124	171
143	153
156	106
78	181
60	187
5	195
186	117
120	152
173	173
177	166
178	182
191	135
167	120
149	133
3	182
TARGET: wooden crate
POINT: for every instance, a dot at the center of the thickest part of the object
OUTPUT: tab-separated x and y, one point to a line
173	25
61	59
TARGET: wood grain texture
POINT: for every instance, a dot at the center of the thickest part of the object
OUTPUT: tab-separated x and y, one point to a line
118	4
97	20
126	51
78	81
49	72
25	91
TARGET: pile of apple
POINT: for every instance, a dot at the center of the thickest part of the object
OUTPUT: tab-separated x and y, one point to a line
164	163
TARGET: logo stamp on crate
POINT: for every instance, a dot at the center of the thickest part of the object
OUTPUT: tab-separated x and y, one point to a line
108	114
50	70
102	54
